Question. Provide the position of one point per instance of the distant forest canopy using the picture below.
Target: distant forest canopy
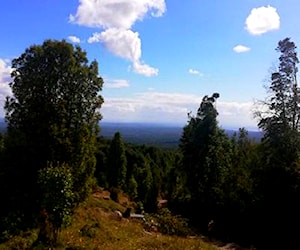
(160, 135)
(166, 136)
(53, 155)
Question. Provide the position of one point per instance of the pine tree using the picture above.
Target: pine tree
(206, 162)
(278, 183)
(117, 163)
(279, 118)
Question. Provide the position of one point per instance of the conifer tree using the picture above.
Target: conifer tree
(280, 117)
(117, 163)
(206, 161)
(278, 183)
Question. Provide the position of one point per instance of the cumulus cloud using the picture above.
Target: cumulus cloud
(117, 19)
(125, 44)
(116, 83)
(172, 108)
(241, 49)
(262, 20)
(144, 69)
(74, 39)
(195, 72)
(115, 14)
(5, 78)
(236, 114)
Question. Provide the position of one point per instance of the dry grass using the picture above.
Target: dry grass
(93, 228)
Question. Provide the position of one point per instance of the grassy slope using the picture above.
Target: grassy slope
(93, 228)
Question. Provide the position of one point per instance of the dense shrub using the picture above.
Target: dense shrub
(114, 194)
(171, 224)
(57, 200)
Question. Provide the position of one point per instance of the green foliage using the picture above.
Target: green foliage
(56, 184)
(283, 104)
(206, 154)
(216, 170)
(52, 117)
(171, 224)
(245, 162)
(117, 162)
(146, 193)
(214, 179)
(11, 224)
(281, 115)
(147, 169)
(101, 162)
(139, 207)
(277, 178)
(24, 240)
(132, 188)
(197, 135)
(90, 230)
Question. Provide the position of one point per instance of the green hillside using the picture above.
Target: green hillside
(94, 227)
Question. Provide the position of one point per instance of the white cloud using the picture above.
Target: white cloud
(5, 78)
(195, 72)
(125, 44)
(116, 83)
(115, 13)
(117, 17)
(74, 39)
(262, 20)
(241, 49)
(236, 114)
(156, 107)
(5, 71)
(144, 69)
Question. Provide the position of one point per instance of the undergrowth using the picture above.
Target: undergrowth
(92, 227)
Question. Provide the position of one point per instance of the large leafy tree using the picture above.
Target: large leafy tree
(53, 114)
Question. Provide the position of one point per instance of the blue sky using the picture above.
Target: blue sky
(159, 58)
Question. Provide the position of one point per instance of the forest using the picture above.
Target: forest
(52, 155)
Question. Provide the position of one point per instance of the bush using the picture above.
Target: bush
(57, 200)
(171, 224)
(139, 207)
(114, 194)
(89, 230)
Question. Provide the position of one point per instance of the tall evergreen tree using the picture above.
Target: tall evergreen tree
(281, 115)
(206, 160)
(279, 176)
(117, 162)
(144, 178)
(197, 135)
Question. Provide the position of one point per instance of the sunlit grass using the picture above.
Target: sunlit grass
(93, 228)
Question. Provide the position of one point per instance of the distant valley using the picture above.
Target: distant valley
(167, 136)
(161, 135)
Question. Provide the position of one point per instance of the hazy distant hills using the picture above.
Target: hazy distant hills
(162, 135)
(154, 134)
(143, 133)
